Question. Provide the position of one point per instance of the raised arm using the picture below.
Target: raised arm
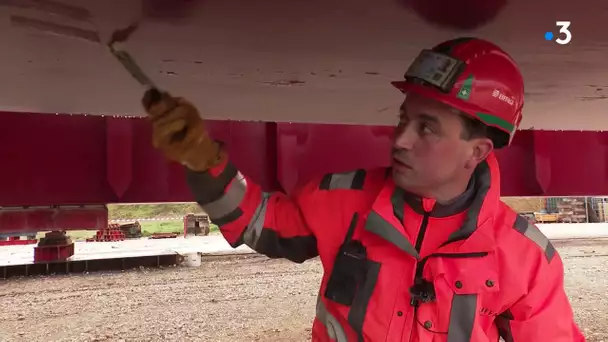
(270, 223)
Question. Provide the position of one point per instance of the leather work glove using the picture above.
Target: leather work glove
(179, 132)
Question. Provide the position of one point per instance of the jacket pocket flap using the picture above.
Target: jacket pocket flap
(467, 275)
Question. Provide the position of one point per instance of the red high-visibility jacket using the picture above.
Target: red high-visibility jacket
(401, 268)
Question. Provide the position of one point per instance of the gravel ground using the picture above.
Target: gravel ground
(235, 298)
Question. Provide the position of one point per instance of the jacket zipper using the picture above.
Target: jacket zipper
(418, 246)
(422, 232)
(420, 264)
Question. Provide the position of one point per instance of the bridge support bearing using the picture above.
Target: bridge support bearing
(54, 246)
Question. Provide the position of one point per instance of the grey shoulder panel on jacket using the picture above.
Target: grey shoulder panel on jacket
(531, 231)
(352, 180)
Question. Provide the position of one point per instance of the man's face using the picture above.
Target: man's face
(428, 149)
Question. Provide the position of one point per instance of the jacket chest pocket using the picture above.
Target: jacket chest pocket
(464, 288)
(352, 282)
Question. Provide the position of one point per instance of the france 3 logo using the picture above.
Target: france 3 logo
(564, 35)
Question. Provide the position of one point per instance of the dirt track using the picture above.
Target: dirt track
(250, 299)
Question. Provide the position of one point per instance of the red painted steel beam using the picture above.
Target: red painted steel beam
(64, 160)
(74, 159)
(39, 219)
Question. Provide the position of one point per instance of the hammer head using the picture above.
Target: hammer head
(123, 34)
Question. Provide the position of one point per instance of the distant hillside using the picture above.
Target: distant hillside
(133, 211)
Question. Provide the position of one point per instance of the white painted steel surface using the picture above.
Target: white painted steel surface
(300, 61)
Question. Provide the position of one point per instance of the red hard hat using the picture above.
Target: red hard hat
(472, 75)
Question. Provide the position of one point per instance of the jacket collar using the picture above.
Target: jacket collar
(481, 198)
(436, 209)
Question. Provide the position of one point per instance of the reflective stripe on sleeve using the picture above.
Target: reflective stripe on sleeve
(229, 202)
(254, 228)
(334, 329)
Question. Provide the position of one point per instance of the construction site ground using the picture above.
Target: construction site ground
(239, 297)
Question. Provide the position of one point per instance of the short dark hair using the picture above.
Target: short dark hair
(474, 129)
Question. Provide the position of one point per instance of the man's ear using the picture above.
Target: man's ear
(481, 148)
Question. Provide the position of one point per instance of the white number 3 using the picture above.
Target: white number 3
(563, 29)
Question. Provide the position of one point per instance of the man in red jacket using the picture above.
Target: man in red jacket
(422, 251)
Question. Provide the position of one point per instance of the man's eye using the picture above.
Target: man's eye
(426, 129)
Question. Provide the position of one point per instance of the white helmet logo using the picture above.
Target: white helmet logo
(502, 97)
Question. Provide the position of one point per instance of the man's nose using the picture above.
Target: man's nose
(405, 137)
